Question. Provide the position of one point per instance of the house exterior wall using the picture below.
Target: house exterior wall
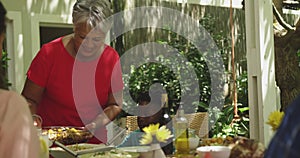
(25, 18)
(23, 36)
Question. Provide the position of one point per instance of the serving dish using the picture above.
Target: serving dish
(214, 151)
(82, 150)
(142, 151)
(67, 134)
(136, 149)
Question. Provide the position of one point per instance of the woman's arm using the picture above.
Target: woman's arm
(33, 94)
(114, 107)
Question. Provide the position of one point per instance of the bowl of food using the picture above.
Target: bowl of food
(214, 151)
(194, 142)
(67, 134)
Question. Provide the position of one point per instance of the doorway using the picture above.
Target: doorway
(49, 33)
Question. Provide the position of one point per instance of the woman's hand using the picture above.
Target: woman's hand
(91, 127)
(114, 107)
(103, 119)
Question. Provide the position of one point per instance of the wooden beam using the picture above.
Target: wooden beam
(262, 89)
(218, 3)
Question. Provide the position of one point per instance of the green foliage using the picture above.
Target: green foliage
(170, 71)
(226, 125)
(166, 74)
(298, 54)
(4, 83)
(242, 89)
(148, 74)
(222, 120)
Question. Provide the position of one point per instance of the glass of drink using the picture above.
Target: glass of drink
(37, 121)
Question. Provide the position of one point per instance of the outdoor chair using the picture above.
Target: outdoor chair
(197, 121)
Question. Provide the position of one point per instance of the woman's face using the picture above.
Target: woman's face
(88, 42)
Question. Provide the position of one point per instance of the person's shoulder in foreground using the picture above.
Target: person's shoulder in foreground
(18, 135)
(286, 142)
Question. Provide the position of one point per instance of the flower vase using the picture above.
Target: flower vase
(157, 152)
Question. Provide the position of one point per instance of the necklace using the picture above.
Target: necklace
(73, 45)
(70, 45)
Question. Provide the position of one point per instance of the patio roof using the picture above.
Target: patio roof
(218, 3)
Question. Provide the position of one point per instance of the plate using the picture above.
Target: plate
(67, 134)
(83, 150)
(135, 149)
(116, 153)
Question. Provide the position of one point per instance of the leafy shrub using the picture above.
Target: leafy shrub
(142, 77)
(4, 83)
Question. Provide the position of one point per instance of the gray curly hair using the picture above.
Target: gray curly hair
(93, 12)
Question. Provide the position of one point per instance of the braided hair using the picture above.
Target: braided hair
(2, 18)
(2, 31)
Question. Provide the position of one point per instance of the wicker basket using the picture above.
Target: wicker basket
(197, 121)
(131, 123)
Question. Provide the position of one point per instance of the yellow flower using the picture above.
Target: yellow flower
(163, 134)
(153, 132)
(152, 129)
(275, 119)
(146, 139)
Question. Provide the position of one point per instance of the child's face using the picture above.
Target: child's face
(152, 114)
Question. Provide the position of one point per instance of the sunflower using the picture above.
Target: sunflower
(275, 119)
(151, 129)
(146, 139)
(154, 133)
(163, 134)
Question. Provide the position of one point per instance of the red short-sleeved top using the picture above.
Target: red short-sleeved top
(75, 92)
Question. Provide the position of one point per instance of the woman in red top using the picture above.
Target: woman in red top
(76, 80)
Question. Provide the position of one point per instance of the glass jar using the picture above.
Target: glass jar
(45, 143)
